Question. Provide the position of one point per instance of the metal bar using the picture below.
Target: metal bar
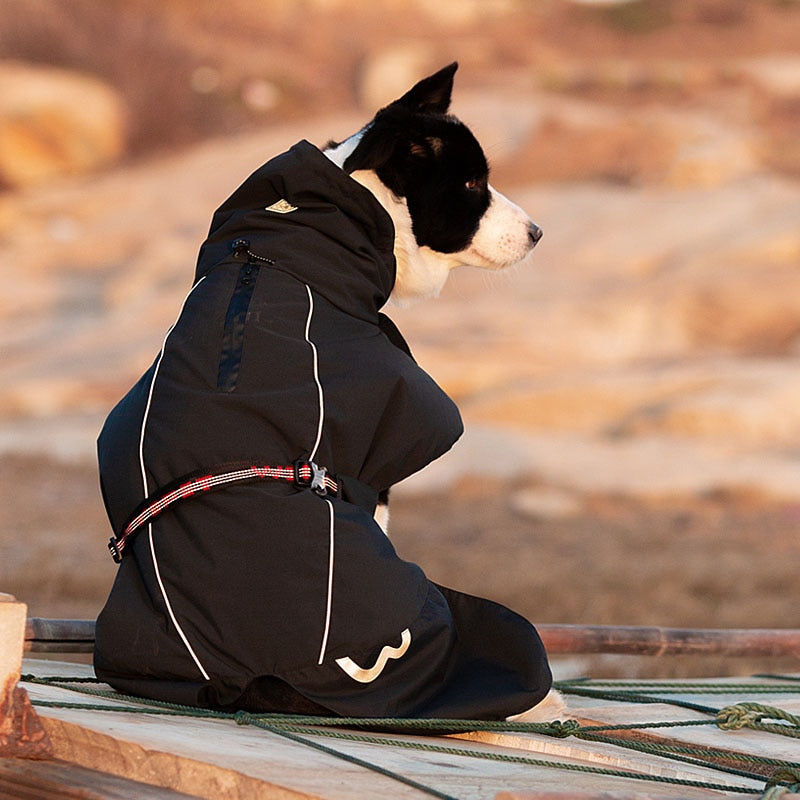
(59, 635)
(655, 641)
(77, 636)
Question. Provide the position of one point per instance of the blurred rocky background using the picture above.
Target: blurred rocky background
(631, 393)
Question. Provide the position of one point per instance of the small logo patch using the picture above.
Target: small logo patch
(281, 207)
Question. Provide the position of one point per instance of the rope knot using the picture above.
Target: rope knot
(752, 715)
(733, 718)
(561, 729)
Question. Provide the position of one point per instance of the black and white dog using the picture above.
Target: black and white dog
(242, 473)
(428, 171)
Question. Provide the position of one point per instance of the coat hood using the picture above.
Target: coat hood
(348, 237)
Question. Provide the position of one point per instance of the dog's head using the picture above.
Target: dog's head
(429, 172)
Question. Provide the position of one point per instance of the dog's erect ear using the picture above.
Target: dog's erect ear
(432, 94)
(388, 137)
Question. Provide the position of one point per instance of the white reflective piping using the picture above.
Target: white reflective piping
(147, 491)
(321, 398)
(169, 605)
(316, 375)
(330, 585)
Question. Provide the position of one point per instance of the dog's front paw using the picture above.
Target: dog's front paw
(553, 707)
(382, 517)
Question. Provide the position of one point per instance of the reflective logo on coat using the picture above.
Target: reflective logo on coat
(363, 675)
(281, 207)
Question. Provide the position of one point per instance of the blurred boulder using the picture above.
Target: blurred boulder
(545, 502)
(577, 140)
(467, 12)
(775, 74)
(55, 122)
(776, 103)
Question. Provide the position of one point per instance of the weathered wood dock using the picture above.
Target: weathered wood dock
(678, 740)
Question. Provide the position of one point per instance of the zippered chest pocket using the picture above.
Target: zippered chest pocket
(233, 335)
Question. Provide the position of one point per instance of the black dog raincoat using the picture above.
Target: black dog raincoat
(268, 593)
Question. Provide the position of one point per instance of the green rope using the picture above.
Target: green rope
(751, 715)
(169, 712)
(685, 687)
(63, 679)
(694, 687)
(556, 728)
(111, 694)
(704, 755)
(697, 756)
(634, 697)
(292, 731)
(155, 708)
(782, 783)
(775, 792)
(432, 747)
(744, 714)
(243, 718)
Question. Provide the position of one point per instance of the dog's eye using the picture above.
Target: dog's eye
(473, 186)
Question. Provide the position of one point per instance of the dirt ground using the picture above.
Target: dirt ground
(716, 561)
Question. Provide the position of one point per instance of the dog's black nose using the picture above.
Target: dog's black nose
(534, 233)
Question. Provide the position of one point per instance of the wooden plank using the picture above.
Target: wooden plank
(20, 731)
(120, 754)
(729, 744)
(608, 755)
(59, 780)
(77, 636)
(747, 741)
(50, 668)
(216, 758)
(279, 766)
(12, 629)
(714, 692)
(570, 795)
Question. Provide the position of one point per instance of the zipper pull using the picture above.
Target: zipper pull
(240, 247)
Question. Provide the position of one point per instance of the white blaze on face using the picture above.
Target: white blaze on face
(502, 238)
(421, 272)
